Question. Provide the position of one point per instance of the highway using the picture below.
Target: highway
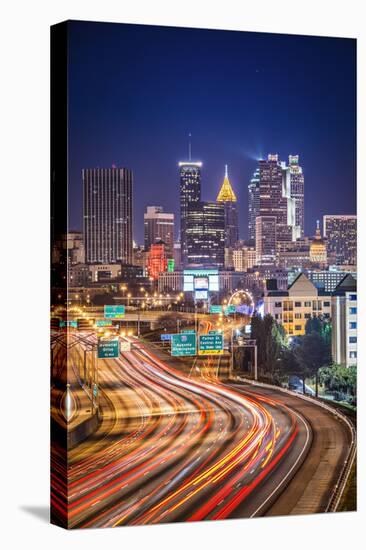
(177, 448)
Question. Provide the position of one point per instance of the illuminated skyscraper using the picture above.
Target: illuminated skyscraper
(265, 240)
(159, 226)
(275, 198)
(205, 235)
(107, 202)
(297, 190)
(253, 204)
(190, 194)
(341, 234)
(227, 197)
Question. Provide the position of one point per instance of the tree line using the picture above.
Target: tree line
(308, 356)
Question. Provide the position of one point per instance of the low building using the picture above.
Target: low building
(294, 254)
(78, 275)
(170, 281)
(75, 247)
(244, 258)
(140, 256)
(294, 306)
(344, 322)
(132, 272)
(229, 258)
(327, 279)
(104, 272)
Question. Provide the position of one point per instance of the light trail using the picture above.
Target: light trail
(170, 447)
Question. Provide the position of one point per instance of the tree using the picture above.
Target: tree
(312, 353)
(313, 324)
(288, 363)
(339, 379)
(321, 326)
(270, 338)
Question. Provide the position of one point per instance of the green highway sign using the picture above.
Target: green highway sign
(103, 323)
(183, 344)
(188, 331)
(108, 348)
(211, 344)
(230, 309)
(215, 309)
(114, 312)
(214, 332)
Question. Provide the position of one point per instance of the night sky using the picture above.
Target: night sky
(136, 92)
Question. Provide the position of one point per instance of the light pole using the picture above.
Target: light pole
(255, 363)
(138, 323)
(195, 316)
(232, 352)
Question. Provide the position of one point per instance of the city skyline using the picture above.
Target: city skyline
(179, 366)
(319, 127)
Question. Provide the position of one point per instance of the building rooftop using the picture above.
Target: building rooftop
(226, 193)
(347, 284)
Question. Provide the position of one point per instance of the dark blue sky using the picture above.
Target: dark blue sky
(135, 92)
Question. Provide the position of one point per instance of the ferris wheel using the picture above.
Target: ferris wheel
(243, 302)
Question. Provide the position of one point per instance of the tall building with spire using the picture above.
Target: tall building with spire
(228, 198)
(190, 194)
(253, 204)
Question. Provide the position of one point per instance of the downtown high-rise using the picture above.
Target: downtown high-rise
(275, 202)
(340, 232)
(159, 226)
(253, 204)
(190, 195)
(107, 215)
(297, 190)
(228, 199)
(205, 235)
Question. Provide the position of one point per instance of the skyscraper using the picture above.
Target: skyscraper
(297, 190)
(275, 198)
(159, 226)
(205, 235)
(107, 202)
(265, 240)
(253, 204)
(341, 234)
(227, 197)
(190, 194)
(272, 201)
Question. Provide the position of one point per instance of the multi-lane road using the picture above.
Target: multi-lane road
(176, 448)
